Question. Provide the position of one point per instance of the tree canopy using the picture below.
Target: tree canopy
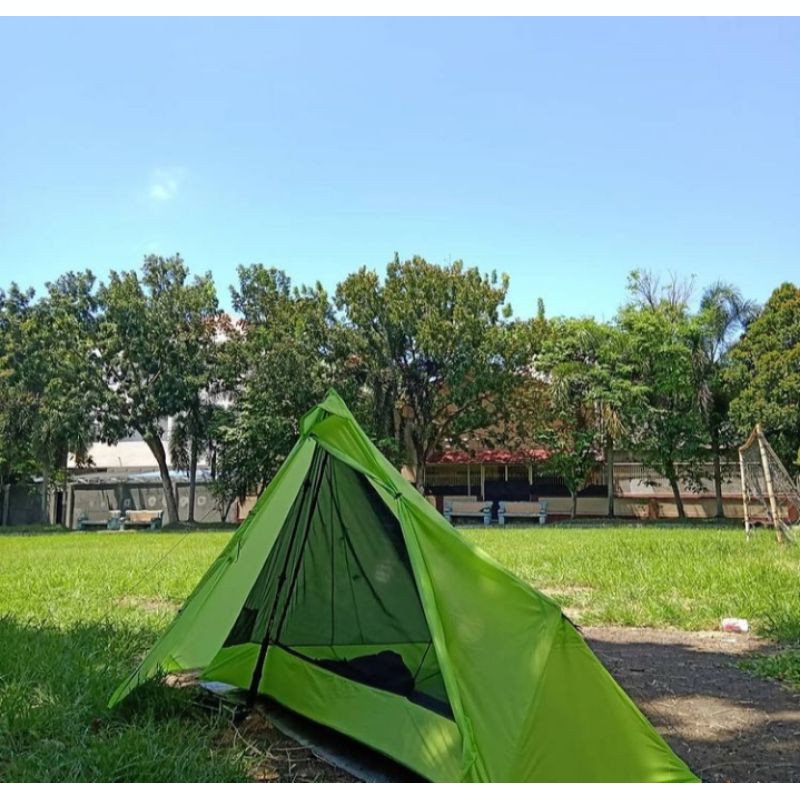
(428, 356)
(764, 374)
(433, 348)
(154, 336)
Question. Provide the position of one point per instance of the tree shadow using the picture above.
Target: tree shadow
(54, 689)
(726, 723)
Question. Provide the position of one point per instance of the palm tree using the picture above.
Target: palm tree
(724, 315)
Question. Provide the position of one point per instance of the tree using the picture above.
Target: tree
(665, 425)
(281, 369)
(764, 373)
(724, 314)
(192, 437)
(155, 334)
(436, 357)
(584, 394)
(571, 437)
(16, 457)
(52, 377)
(646, 289)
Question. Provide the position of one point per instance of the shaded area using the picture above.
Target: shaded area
(726, 723)
(55, 726)
(274, 756)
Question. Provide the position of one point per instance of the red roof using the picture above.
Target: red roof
(489, 456)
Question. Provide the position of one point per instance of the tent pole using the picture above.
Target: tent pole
(262, 653)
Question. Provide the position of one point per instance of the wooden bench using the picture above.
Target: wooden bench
(465, 508)
(520, 510)
(109, 520)
(142, 519)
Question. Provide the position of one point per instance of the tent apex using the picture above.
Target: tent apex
(331, 404)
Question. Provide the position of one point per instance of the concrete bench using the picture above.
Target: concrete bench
(108, 520)
(465, 508)
(520, 510)
(143, 519)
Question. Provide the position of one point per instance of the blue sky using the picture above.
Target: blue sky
(563, 152)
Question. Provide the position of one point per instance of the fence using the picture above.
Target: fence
(91, 499)
(22, 503)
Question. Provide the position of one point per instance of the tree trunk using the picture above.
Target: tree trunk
(574, 509)
(157, 449)
(419, 470)
(46, 496)
(676, 491)
(415, 454)
(192, 477)
(717, 474)
(610, 474)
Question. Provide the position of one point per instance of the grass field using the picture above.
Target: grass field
(78, 610)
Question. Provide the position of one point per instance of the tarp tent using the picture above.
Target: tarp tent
(347, 598)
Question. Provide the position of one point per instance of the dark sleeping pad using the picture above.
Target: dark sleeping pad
(385, 670)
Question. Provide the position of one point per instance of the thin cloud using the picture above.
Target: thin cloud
(164, 185)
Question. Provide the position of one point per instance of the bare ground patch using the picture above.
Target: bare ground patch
(727, 724)
(275, 757)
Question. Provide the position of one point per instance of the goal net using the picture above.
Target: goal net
(769, 495)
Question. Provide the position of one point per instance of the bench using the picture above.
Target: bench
(465, 508)
(142, 519)
(520, 510)
(109, 520)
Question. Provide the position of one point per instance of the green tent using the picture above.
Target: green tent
(347, 598)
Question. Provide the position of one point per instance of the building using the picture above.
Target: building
(639, 492)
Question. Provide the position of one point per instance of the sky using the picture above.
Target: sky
(564, 152)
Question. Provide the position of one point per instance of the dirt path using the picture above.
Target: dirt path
(727, 724)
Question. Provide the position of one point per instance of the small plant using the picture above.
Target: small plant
(784, 666)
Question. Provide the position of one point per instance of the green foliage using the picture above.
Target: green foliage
(764, 373)
(155, 339)
(574, 430)
(430, 349)
(665, 425)
(17, 461)
(281, 353)
(724, 314)
(50, 380)
(426, 356)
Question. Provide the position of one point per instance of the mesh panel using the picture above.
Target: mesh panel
(339, 576)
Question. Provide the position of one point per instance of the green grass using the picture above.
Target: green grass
(783, 666)
(77, 611)
(659, 577)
